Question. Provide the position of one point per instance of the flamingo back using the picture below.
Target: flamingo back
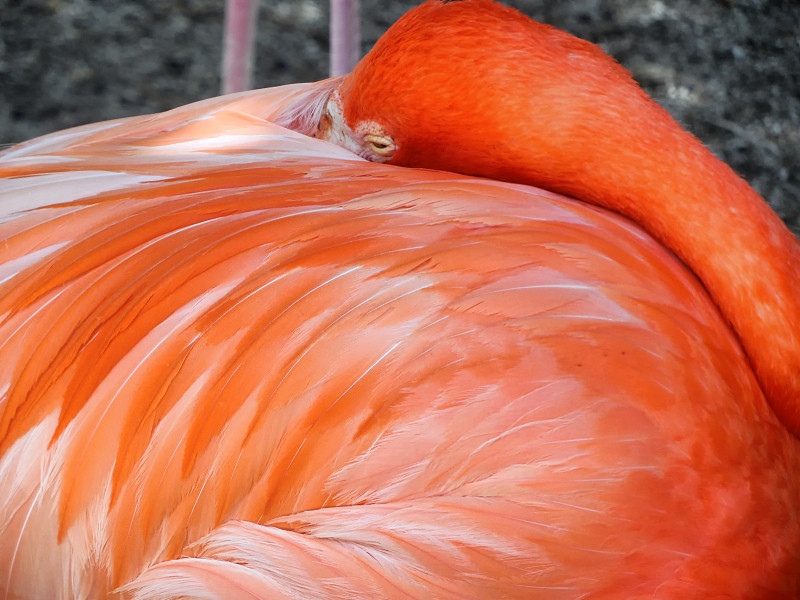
(239, 362)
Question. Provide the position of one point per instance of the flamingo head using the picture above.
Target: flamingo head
(475, 87)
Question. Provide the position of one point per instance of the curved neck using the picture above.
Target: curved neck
(667, 181)
(617, 148)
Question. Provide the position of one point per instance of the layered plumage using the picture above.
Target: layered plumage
(238, 362)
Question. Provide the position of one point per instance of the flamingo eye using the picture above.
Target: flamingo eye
(381, 145)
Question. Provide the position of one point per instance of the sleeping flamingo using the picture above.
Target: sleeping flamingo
(240, 362)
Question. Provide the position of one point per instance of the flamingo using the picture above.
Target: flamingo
(241, 362)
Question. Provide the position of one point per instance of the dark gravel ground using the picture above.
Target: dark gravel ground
(729, 70)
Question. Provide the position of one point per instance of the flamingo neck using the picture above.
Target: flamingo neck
(667, 181)
(618, 149)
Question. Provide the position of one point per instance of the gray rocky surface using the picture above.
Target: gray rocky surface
(729, 70)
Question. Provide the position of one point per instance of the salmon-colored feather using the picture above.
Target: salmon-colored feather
(239, 362)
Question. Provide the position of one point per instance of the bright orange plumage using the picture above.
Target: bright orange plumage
(240, 363)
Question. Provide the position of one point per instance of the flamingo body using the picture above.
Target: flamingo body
(239, 362)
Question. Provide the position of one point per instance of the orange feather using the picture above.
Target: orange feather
(238, 362)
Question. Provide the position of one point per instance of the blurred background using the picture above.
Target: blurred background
(729, 70)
